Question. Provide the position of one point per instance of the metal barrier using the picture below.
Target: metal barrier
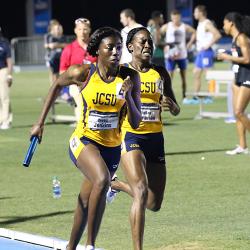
(30, 50)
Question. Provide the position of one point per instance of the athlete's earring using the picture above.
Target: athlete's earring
(130, 48)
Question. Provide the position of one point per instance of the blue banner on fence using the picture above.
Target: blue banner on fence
(42, 15)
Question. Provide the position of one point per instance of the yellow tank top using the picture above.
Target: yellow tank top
(102, 110)
(151, 93)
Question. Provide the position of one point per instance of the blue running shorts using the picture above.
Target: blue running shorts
(151, 144)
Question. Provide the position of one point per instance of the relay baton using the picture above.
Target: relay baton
(31, 150)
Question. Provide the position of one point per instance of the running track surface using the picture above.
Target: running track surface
(8, 244)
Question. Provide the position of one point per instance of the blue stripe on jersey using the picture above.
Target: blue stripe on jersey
(85, 108)
(91, 72)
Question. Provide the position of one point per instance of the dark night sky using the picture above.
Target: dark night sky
(102, 12)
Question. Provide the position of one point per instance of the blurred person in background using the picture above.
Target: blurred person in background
(76, 53)
(55, 41)
(206, 36)
(176, 49)
(238, 27)
(127, 18)
(5, 82)
(154, 27)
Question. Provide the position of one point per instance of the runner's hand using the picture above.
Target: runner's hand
(127, 86)
(37, 130)
(169, 105)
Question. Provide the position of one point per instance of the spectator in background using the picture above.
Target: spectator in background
(55, 41)
(154, 27)
(127, 18)
(76, 53)
(238, 27)
(5, 82)
(206, 36)
(176, 48)
(46, 38)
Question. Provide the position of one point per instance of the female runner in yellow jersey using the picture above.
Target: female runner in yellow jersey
(143, 158)
(107, 89)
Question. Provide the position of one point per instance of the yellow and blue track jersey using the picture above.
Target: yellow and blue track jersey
(102, 110)
(151, 94)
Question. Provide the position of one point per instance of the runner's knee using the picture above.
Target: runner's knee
(154, 206)
(140, 191)
(239, 113)
(102, 183)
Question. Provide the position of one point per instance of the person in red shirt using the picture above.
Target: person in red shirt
(76, 53)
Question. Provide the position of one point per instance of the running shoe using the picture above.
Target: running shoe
(185, 100)
(230, 120)
(207, 100)
(89, 247)
(238, 150)
(5, 126)
(111, 194)
(190, 101)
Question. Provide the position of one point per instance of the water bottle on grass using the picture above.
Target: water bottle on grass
(57, 192)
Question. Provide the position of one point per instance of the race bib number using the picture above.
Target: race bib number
(102, 120)
(205, 61)
(74, 143)
(235, 68)
(235, 53)
(119, 91)
(159, 86)
(150, 112)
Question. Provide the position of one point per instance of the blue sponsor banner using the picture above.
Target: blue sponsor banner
(186, 9)
(42, 15)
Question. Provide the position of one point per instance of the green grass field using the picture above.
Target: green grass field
(206, 203)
